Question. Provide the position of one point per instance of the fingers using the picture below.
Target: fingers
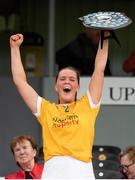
(106, 33)
(16, 37)
(16, 40)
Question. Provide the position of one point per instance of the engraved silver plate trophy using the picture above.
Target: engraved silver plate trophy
(106, 21)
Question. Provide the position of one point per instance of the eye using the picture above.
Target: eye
(62, 79)
(25, 147)
(72, 79)
(16, 150)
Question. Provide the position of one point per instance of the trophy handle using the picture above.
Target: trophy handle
(112, 35)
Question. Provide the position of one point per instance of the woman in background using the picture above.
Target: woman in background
(24, 150)
(127, 161)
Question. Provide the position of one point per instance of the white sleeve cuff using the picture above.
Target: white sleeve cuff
(39, 99)
(91, 102)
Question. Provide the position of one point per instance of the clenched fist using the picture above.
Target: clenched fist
(16, 40)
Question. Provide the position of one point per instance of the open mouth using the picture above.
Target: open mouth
(67, 89)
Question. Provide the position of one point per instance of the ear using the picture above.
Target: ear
(35, 152)
(78, 87)
(55, 87)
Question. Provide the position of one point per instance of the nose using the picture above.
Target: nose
(21, 150)
(67, 80)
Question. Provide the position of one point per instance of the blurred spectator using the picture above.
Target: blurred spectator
(80, 53)
(129, 64)
(24, 150)
(127, 161)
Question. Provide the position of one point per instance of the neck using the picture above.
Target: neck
(27, 166)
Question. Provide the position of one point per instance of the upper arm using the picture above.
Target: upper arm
(28, 94)
(97, 80)
(96, 86)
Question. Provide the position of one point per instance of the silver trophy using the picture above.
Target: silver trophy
(106, 21)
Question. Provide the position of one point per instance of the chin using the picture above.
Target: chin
(69, 100)
(24, 161)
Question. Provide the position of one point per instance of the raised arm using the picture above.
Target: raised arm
(28, 94)
(97, 79)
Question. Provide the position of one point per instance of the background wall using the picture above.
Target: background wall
(33, 16)
(15, 119)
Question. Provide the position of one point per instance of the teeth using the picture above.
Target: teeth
(67, 87)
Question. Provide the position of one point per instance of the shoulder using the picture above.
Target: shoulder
(11, 176)
(37, 171)
(17, 175)
(39, 166)
(86, 99)
(45, 101)
(42, 102)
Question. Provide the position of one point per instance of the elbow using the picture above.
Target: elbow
(100, 70)
(17, 80)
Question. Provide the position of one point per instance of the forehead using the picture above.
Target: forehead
(22, 143)
(67, 72)
(125, 159)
